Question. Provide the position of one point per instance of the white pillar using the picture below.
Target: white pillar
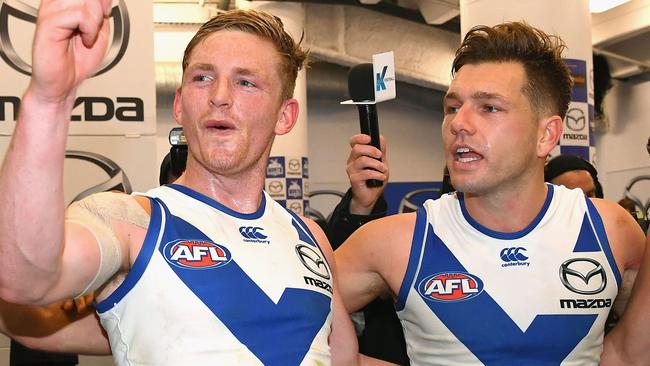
(287, 176)
(571, 20)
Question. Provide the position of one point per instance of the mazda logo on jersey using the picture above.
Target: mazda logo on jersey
(313, 260)
(450, 286)
(196, 254)
(20, 10)
(583, 276)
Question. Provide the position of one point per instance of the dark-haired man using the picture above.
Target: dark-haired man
(508, 270)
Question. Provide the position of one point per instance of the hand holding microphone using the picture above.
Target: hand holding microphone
(361, 88)
(368, 84)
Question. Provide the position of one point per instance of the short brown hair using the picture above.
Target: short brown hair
(549, 81)
(264, 25)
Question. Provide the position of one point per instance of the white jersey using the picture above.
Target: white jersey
(211, 286)
(473, 296)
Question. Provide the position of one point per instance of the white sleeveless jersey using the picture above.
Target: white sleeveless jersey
(211, 286)
(473, 296)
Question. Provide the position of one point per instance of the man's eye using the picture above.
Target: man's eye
(490, 108)
(451, 110)
(201, 78)
(246, 83)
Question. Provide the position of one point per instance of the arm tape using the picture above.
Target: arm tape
(95, 213)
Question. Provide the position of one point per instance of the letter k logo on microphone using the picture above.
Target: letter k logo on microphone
(380, 79)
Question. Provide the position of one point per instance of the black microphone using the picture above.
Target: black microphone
(361, 88)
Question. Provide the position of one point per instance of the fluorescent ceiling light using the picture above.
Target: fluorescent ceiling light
(599, 6)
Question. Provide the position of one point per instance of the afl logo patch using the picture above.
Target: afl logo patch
(450, 286)
(196, 254)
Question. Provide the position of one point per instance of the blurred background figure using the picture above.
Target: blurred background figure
(573, 171)
(173, 164)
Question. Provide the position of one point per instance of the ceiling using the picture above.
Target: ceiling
(621, 34)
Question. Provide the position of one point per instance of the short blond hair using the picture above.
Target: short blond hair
(264, 25)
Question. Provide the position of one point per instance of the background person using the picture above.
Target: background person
(573, 171)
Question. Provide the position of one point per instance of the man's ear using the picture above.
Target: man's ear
(178, 106)
(550, 131)
(288, 116)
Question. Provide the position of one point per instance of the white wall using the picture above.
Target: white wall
(621, 152)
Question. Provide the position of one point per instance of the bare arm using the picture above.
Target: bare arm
(54, 328)
(629, 342)
(372, 262)
(628, 244)
(70, 40)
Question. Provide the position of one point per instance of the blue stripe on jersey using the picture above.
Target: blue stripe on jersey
(278, 334)
(599, 228)
(587, 241)
(487, 330)
(414, 257)
(212, 203)
(507, 236)
(304, 233)
(148, 247)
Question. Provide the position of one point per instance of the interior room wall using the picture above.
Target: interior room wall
(621, 151)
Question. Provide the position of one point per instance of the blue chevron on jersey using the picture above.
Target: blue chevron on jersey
(487, 330)
(475, 296)
(257, 318)
(207, 296)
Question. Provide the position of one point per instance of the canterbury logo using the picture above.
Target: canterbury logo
(513, 254)
(252, 232)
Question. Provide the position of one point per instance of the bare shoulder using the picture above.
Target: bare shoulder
(623, 232)
(387, 230)
(383, 240)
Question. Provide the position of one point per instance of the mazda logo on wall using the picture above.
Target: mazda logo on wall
(583, 276)
(19, 9)
(117, 179)
(575, 119)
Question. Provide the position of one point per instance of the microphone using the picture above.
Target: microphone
(361, 88)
